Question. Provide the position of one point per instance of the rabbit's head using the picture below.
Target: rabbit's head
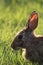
(24, 38)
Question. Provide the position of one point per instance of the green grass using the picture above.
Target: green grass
(13, 16)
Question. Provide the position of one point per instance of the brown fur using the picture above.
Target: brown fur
(26, 39)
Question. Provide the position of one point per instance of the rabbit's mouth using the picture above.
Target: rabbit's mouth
(17, 48)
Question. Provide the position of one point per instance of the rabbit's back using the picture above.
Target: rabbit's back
(35, 51)
(40, 48)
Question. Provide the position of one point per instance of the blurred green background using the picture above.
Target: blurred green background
(13, 16)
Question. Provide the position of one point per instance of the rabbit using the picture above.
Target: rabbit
(26, 39)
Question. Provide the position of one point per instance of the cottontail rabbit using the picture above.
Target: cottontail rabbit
(26, 39)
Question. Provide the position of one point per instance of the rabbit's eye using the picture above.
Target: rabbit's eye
(20, 37)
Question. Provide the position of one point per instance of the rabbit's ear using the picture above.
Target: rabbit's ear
(33, 21)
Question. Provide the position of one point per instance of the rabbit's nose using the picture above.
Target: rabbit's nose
(12, 46)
